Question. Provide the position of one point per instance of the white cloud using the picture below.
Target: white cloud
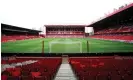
(36, 13)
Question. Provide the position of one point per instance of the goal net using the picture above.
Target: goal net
(65, 47)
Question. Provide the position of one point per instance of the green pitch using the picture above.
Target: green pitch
(65, 45)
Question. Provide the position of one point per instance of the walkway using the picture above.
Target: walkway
(65, 71)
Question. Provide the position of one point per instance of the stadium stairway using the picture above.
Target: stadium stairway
(65, 71)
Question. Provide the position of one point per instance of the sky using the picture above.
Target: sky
(37, 13)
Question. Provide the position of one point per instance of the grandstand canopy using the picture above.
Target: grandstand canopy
(64, 26)
(6, 27)
(120, 17)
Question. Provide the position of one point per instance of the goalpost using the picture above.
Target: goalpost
(42, 48)
(87, 44)
(65, 47)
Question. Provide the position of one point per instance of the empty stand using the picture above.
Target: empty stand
(103, 68)
(65, 36)
(43, 69)
(69, 31)
(6, 38)
(114, 37)
(117, 29)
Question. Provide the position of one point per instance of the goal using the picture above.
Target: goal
(65, 47)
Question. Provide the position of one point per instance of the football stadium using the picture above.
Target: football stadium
(74, 41)
(70, 45)
(101, 50)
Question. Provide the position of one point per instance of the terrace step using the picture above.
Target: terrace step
(65, 71)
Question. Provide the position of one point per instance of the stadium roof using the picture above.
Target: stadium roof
(15, 28)
(65, 25)
(121, 14)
